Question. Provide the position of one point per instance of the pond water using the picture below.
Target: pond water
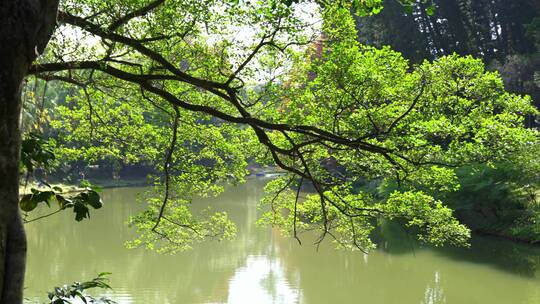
(260, 266)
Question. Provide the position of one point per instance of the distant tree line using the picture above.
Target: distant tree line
(505, 34)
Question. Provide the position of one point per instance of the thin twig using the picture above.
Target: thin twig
(43, 216)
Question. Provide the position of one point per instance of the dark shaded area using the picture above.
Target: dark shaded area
(502, 254)
(490, 29)
(513, 257)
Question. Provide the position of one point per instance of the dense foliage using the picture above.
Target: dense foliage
(274, 82)
(504, 34)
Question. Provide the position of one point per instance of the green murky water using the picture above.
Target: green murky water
(260, 266)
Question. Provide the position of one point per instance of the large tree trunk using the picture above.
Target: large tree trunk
(25, 28)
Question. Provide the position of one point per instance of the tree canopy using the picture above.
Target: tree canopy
(201, 88)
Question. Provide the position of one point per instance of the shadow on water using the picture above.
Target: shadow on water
(394, 239)
(517, 258)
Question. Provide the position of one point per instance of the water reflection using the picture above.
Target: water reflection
(516, 258)
(260, 266)
(262, 281)
(434, 293)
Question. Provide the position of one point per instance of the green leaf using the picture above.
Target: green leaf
(44, 196)
(408, 8)
(94, 200)
(63, 202)
(27, 203)
(85, 184)
(430, 10)
(81, 211)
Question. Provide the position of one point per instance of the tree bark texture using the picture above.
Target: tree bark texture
(25, 28)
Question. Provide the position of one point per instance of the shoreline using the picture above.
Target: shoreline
(128, 183)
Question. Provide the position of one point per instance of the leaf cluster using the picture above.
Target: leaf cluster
(76, 291)
(80, 202)
(36, 152)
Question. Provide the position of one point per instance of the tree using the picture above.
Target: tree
(26, 27)
(502, 33)
(345, 114)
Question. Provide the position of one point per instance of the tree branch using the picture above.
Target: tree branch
(168, 160)
(134, 14)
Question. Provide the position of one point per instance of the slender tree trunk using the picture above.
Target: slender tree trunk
(25, 28)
